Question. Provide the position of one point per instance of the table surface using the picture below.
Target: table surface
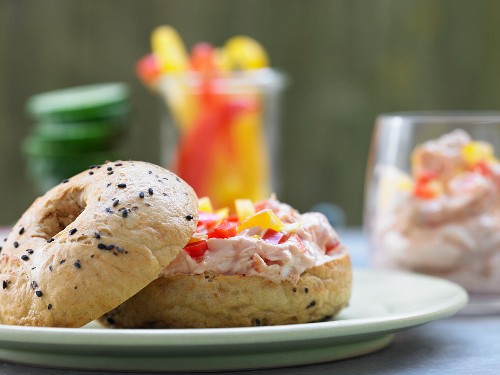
(455, 345)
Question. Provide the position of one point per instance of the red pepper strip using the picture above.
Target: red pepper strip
(273, 237)
(225, 229)
(196, 249)
(147, 69)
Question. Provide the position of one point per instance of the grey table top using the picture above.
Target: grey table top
(456, 345)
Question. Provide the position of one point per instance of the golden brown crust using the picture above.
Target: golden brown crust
(202, 301)
(73, 280)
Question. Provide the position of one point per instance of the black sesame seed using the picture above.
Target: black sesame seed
(118, 164)
(115, 254)
(65, 180)
(141, 194)
(51, 269)
(119, 249)
(39, 293)
(294, 290)
(110, 173)
(92, 166)
(189, 217)
(101, 246)
(108, 210)
(30, 251)
(178, 179)
(110, 247)
(110, 320)
(76, 287)
(98, 166)
(108, 184)
(4, 284)
(313, 303)
(91, 173)
(0, 248)
(50, 240)
(147, 204)
(72, 231)
(16, 244)
(5, 239)
(122, 185)
(150, 172)
(92, 256)
(62, 261)
(115, 203)
(150, 191)
(306, 290)
(49, 306)
(77, 264)
(21, 231)
(34, 284)
(124, 214)
(97, 235)
(25, 257)
(109, 168)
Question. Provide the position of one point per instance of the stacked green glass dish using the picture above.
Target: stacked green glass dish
(74, 128)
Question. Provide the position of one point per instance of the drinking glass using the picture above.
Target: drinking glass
(432, 199)
(222, 134)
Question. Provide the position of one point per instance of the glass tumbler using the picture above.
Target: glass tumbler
(432, 199)
(221, 134)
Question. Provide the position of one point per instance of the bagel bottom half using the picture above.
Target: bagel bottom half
(213, 301)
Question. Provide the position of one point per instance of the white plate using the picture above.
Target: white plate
(383, 303)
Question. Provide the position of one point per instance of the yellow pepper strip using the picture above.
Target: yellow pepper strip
(244, 53)
(476, 151)
(205, 205)
(244, 209)
(169, 49)
(265, 219)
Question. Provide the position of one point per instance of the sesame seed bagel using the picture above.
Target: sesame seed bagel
(214, 300)
(92, 242)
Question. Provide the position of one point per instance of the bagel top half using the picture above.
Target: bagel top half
(92, 242)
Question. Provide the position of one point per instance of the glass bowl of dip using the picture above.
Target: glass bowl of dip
(432, 199)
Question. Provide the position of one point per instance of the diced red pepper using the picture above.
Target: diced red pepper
(483, 168)
(424, 191)
(225, 229)
(196, 249)
(273, 237)
(207, 218)
(425, 177)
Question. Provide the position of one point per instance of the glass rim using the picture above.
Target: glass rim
(442, 115)
(268, 78)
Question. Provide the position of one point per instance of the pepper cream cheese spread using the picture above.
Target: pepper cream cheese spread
(445, 218)
(249, 246)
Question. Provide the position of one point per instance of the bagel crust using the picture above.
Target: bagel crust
(92, 242)
(208, 300)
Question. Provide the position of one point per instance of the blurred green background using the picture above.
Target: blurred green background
(348, 61)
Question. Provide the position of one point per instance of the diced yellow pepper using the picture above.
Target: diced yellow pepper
(244, 208)
(205, 205)
(265, 219)
(222, 213)
(476, 151)
(292, 227)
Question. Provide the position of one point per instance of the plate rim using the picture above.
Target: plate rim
(334, 329)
